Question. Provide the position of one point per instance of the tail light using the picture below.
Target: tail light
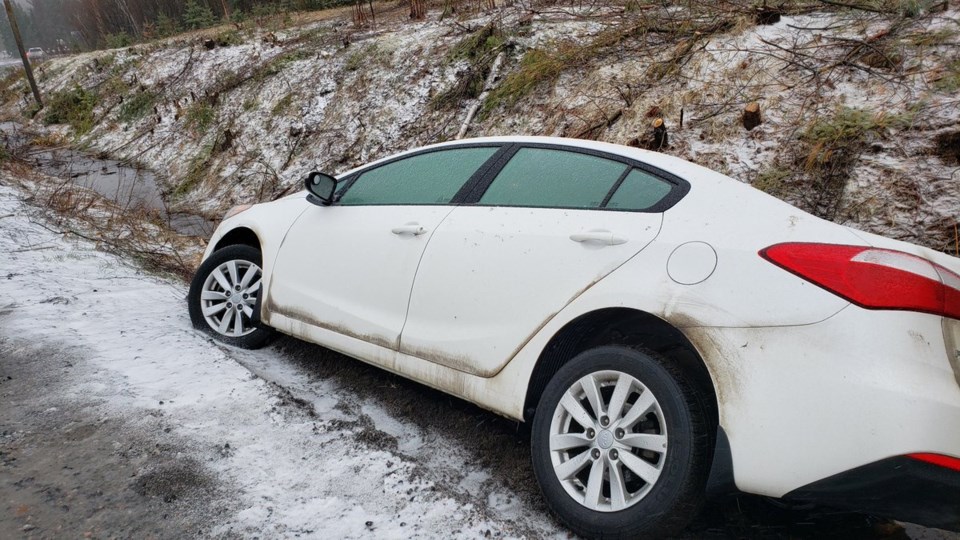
(872, 278)
(938, 460)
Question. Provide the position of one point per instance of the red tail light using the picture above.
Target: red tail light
(938, 460)
(872, 278)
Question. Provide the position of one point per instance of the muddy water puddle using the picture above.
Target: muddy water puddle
(132, 188)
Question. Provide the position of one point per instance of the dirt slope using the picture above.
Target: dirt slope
(859, 109)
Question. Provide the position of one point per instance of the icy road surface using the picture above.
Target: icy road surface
(113, 346)
(117, 419)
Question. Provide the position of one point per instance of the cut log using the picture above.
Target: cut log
(659, 138)
(418, 9)
(226, 142)
(751, 116)
(948, 146)
(767, 15)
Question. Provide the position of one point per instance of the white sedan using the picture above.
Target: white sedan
(670, 332)
(35, 54)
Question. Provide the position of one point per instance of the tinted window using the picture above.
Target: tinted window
(431, 178)
(541, 177)
(640, 190)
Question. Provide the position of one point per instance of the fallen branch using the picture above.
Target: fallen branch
(860, 7)
(487, 87)
(594, 131)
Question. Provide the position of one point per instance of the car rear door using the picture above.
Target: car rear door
(549, 224)
(349, 267)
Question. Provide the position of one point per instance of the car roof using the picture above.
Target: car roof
(682, 168)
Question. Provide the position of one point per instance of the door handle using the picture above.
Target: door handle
(414, 229)
(598, 237)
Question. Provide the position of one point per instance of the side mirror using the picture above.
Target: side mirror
(320, 187)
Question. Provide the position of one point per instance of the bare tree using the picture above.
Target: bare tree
(125, 9)
(359, 17)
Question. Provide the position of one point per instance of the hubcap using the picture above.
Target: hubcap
(605, 440)
(616, 468)
(228, 297)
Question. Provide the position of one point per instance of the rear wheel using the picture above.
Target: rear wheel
(620, 444)
(223, 296)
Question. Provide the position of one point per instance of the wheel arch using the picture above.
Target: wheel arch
(239, 235)
(634, 327)
(612, 326)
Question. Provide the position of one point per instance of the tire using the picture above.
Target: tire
(242, 258)
(672, 438)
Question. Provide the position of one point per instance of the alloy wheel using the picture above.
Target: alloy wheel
(228, 297)
(608, 441)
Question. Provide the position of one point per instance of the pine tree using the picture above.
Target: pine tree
(197, 15)
(166, 26)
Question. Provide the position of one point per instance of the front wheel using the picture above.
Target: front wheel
(620, 445)
(223, 295)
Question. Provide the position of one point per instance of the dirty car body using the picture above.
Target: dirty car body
(821, 363)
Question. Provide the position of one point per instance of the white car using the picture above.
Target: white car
(670, 332)
(35, 54)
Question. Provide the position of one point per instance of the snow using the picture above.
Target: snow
(349, 104)
(288, 473)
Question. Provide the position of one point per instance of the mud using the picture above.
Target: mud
(308, 318)
(69, 471)
(174, 480)
(490, 440)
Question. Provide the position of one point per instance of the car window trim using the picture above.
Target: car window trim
(616, 186)
(457, 197)
(496, 161)
(680, 186)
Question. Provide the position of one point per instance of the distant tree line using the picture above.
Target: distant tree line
(84, 24)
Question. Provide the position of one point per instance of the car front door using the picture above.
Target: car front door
(550, 224)
(349, 267)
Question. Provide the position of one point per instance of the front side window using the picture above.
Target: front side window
(430, 178)
(555, 178)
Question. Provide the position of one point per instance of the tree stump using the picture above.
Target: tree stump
(658, 138)
(751, 116)
(767, 15)
(418, 9)
(226, 142)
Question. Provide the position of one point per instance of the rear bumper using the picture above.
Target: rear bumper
(900, 488)
(804, 404)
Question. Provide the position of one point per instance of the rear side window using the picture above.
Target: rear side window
(557, 178)
(431, 178)
(640, 190)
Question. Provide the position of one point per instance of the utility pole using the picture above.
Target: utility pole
(23, 53)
